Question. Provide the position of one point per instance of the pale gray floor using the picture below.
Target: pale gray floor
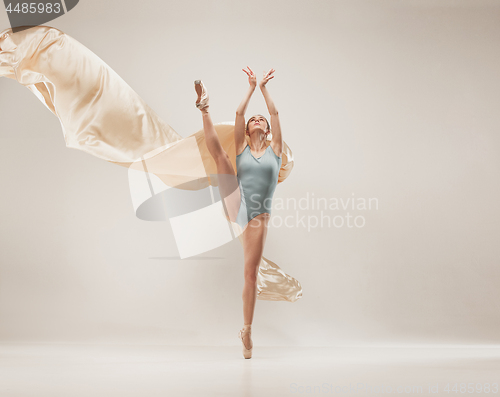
(107, 370)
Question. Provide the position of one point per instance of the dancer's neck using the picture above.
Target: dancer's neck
(257, 142)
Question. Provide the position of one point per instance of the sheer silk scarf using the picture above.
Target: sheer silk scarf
(101, 115)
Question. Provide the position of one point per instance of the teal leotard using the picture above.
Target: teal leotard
(257, 179)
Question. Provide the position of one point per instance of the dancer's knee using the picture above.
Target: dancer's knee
(251, 276)
(222, 157)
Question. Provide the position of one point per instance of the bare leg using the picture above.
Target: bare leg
(228, 185)
(254, 238)
(256, 230)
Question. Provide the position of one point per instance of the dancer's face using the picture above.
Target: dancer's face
(257, 122)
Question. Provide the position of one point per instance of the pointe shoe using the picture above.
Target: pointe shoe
(202, 101)
(247, 329)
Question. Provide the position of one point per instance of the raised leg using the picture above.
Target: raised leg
(228, 182)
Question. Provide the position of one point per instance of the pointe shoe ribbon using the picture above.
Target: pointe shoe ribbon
(247, 329)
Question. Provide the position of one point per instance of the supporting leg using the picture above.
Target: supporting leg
(254, 238)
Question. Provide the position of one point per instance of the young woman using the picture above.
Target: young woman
(247, 195)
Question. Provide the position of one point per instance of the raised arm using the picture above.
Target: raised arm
(277, 140)
(239, 123)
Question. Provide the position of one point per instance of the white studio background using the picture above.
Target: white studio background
(387, 99)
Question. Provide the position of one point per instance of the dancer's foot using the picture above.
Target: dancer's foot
(246, 340)
(202, 101)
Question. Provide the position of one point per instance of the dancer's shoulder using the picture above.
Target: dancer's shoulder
(242, 149)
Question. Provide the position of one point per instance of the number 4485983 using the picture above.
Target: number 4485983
(34, 8)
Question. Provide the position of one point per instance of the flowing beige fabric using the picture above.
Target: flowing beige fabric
(101, 115)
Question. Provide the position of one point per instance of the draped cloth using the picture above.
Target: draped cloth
(101, 115)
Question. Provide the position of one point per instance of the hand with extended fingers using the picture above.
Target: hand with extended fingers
(267, 76)
(252, 79)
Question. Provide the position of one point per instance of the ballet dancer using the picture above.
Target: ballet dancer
(247, 195)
